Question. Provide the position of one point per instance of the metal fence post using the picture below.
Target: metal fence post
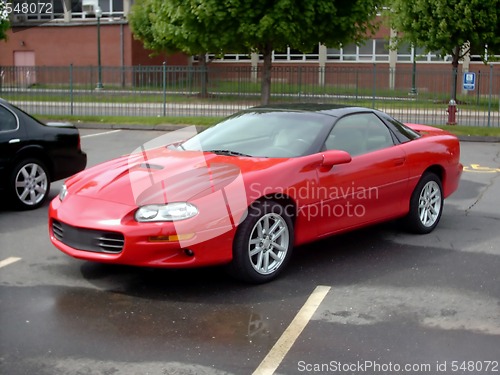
(91, 69)
(374, 84)
(300, 83)
(478, 91)
(164, 77)
(71, 88)
(357, 84)
(490, 96)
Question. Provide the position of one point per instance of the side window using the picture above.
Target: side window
(7, 120)
(378, 134)
(358, 134)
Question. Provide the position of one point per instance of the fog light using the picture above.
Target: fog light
(189, 252)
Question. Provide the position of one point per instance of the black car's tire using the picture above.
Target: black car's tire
(29, 184)
(263, 243)
(426, 205)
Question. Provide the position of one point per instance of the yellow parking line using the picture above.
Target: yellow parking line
(273, 359)
(479, 169)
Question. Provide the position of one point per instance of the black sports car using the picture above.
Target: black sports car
(33, 154)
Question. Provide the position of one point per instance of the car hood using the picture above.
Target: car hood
(163, 175)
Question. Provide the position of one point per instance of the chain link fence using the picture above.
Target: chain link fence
(411, 94)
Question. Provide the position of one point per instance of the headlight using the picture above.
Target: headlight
(166, 212)
(63, 193)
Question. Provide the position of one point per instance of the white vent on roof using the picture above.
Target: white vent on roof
(89, 6)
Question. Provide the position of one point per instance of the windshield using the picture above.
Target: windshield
(264, 134)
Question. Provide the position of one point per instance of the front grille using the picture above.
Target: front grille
(111, 243)
(88, 239)
(58, 230)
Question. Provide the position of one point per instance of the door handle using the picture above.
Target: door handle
(399, 161)
(15, 140)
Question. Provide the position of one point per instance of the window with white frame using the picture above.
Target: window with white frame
(406, 53)
(54, 9)
(109, 8)
(36, 11)
(370, 50)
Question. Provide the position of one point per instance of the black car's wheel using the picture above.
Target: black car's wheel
(30, 184)
(426, 204)
(263, 243)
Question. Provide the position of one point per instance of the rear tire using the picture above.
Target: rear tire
(426, 205)
(29, 184)
(263, 243)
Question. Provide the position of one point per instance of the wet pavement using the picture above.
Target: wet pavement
(422, 304)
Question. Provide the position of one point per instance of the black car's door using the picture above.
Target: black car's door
(11, 138)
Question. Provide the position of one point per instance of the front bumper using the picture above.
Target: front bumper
(97, 235)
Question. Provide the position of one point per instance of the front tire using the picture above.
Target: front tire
(426, 204)
(263, 243)
(30, 184)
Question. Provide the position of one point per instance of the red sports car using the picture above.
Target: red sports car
(246, 191)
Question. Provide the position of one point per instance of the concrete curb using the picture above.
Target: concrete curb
(172, 127)
(474, 138)
(159, 127)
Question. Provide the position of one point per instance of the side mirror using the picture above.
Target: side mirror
(335, 157)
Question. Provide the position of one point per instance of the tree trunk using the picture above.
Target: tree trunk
(202, 58)
(454, 63)
(266, 74)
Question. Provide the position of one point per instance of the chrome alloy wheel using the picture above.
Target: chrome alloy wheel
(31, 184)
(269, 243)
(429, 204)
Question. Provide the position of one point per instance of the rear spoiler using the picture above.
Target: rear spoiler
(426, 129)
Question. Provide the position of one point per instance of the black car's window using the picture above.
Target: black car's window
(358, 134)
(8, 120)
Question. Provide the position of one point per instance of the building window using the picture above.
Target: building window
(41, 11)
(295, 55)
(371, 50)
(349, 52)
(333, 53)
(365, 51)
(381, 50)
(110, 8)
(54, 9)
(405, 52)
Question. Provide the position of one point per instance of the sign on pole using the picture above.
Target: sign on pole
(469, 81)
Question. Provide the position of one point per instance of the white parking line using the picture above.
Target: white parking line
(103, 133)
(273, 359)
(8, 261)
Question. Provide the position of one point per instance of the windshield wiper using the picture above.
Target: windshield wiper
(175, 146)
(229, 152)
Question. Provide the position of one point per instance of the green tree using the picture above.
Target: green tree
(275, 25)
(195, 27)
(261, 26)
(452, 27)
(4, 21)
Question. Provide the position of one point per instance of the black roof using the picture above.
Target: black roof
(334, 110)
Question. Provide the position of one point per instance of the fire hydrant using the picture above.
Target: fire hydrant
(452, 112)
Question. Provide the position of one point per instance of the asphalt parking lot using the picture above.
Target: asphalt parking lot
(374, 301)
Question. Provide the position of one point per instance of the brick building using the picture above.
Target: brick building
(68, 35)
